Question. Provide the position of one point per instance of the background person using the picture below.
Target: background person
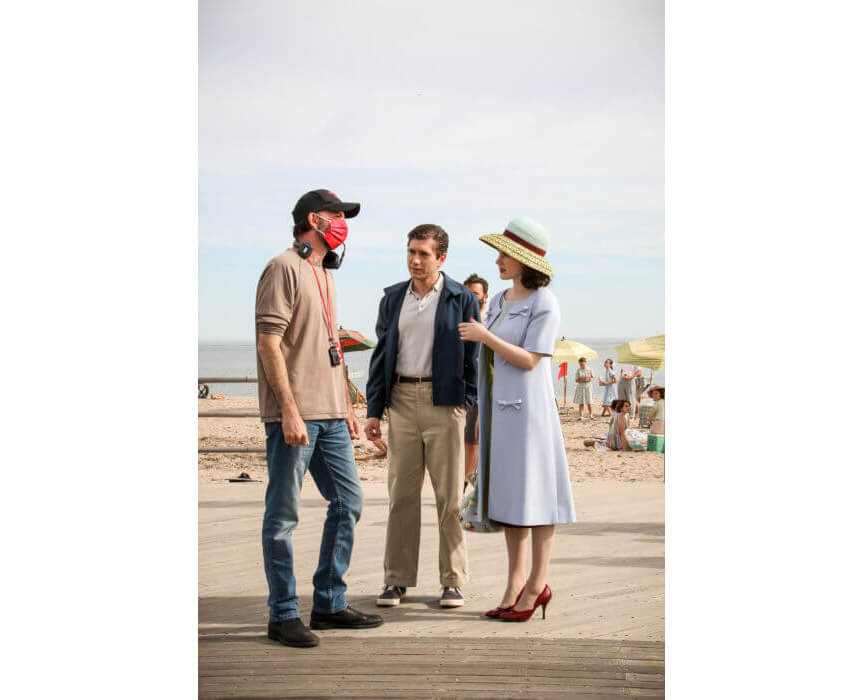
(524, 480)
(616, 438)
(582, 395)
(308, 419)
(641, 385)
(627, 386)
(657, 417)
(420, 371)
(608, 381)
(480, 288)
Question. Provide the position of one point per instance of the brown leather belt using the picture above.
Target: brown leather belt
(413, 380)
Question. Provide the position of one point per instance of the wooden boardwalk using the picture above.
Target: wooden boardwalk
(603, 636)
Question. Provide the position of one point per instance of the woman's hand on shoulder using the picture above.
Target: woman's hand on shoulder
(473, 331)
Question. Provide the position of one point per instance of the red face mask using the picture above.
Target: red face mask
(336, 233)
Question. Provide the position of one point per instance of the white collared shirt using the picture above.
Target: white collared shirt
(417, 331)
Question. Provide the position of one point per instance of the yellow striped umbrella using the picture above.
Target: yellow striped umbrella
(570, 351)
(646, 352)
(654, 342)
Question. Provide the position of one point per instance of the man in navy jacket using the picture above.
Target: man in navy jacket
(427, 377)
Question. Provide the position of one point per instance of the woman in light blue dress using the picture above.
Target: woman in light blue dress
(608, 380)
(523, 478)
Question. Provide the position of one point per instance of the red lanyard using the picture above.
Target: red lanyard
(327, 306)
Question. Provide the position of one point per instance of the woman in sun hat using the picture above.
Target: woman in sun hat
(523, 476)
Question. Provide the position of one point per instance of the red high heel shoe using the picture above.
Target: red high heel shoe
(497, 611)
(523, 615)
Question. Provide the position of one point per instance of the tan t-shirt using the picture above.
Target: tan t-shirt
(289, 304)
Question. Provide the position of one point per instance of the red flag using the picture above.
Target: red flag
(563, 371)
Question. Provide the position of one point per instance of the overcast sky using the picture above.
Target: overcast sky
(464, 114)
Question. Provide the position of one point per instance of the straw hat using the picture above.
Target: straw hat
(524, 240)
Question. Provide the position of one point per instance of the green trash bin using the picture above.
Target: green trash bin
(657, 443)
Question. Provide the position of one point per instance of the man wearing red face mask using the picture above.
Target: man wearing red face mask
(308, 418)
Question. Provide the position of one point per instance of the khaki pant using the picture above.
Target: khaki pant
(422, 435)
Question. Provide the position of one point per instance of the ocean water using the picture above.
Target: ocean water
(238, 360)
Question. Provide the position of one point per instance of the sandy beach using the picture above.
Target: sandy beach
(586, 464)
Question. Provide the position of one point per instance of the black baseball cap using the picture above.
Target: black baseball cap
(322, 200)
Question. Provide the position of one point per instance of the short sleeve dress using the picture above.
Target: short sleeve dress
(610, 391)
(523, 476)
(583, 394)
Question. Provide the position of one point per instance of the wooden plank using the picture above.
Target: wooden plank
(345, 642)
(584, 656)
(330, 646)
(493, 671)
(585, 662)
(457, 693)
(336, 644)
(423, 688)
(422, 679)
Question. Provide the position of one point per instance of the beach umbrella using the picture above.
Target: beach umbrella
(354, 341)
(654, 342)
(645, 352)
(649, 349)
(569, 351)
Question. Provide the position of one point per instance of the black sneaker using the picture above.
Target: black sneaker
(451, 597)
(291, 633)
(349, 618)
(392, 595)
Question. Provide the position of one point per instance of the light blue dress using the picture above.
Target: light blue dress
(610, 392)
(523, 476)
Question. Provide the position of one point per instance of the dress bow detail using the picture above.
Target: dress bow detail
(524, 311)
(517, 404)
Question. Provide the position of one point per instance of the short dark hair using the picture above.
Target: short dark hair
(660, 389)
(614, 404)
(534, 279)
(474, 278)
(582, 359)
(425, 231)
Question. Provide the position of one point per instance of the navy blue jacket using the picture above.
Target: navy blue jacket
(454, 362)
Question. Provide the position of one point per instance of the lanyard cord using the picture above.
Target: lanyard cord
(326, 306)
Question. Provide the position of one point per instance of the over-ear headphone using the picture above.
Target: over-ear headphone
(304, 250)
(331, 261)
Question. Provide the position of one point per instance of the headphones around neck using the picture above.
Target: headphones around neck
(331, 261)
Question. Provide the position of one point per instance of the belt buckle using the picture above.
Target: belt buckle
(419, 380)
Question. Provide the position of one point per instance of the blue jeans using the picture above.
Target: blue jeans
(330, 458)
